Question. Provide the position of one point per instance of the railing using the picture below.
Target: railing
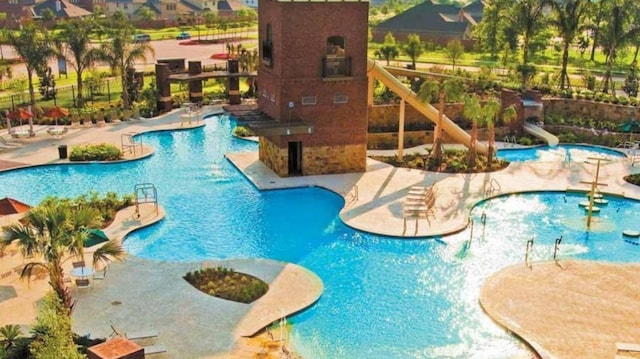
(494, 186)
(333, 66)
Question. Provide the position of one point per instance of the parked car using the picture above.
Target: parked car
(183, 36)
(141, 37)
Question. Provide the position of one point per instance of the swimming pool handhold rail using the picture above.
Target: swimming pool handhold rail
(528, 250)
(555, 249)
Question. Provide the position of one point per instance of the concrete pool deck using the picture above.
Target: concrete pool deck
(373, 203)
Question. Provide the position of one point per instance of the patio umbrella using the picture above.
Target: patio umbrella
(12, 206)
(630, 126)
(96, 236)
(20, 114)
(56, 112)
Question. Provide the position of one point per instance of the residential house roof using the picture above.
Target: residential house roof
(61, 8)
(429, 17)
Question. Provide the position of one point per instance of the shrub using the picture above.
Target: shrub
(100, 152)
(227, 284)
(567, 137)
(633, 179)
(525, 141)
(242, 131)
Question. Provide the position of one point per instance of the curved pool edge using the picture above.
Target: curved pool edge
(294, 288)
(127, 221)
(582, 323)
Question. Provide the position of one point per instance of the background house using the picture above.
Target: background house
(433, 22)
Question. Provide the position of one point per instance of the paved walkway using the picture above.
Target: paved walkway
(138, 295)
(576, 310)
(373, 200)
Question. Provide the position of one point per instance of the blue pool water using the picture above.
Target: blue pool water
(558, 153)
(384, 297)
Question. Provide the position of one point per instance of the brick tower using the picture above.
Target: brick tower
(312, 86)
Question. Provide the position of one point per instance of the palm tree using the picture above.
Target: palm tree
(490, 112)
(389, 49)
(54, 232)
(568, 20)
(443, 89)
(618, 31)
(121, 53)
(472, 110)
(413, 48)
(33, 45)
(527, 14)
(248, 63)
(9, 334)
(74, 45)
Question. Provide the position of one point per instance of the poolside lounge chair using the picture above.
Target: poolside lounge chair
(142, 334)
(9, 144)
(101, 274)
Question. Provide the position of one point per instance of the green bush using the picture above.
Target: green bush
(227, 284)
(633, 179)
(525, 141)
(242, 131)
(100, 152)
(567, 137)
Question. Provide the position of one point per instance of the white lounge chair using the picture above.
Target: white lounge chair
(154, 349)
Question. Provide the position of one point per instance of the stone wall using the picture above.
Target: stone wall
(316, 160)
(333, 159)
(386, 117)
(274, 157)
(599, 111)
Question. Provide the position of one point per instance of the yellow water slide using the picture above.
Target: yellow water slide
(392, 83)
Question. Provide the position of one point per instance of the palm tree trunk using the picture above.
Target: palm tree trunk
(492, 143)
(472, 143)
(607, 75)
(596, 32)
(80, 103)
(32, 99)
(565, 61)
(436, 151)
(56, 280)
(125, 92)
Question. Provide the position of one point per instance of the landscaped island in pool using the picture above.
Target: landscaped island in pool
(384, 297)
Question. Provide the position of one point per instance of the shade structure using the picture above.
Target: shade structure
(11, 206)
(19, 114)
(56, 112)
(95, 236)
(630, 126)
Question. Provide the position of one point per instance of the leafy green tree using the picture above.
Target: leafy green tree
(443, 90)
(53, 335)
(32, 43)
(47, 84)
(526, 16)
(454, 52)
(210, 19)
(414, 48)
(74, 44)
(618, 32)
(595, 26)
(5, 73)
(389, 49)
(3, 17)
(48, 16)
(55, 232)
(248, 61)
(488, 31)
(630, 86)
(568, 20)
(121, 53)
(146, 13)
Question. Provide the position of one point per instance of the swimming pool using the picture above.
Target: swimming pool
(384, 297)
(564, 152)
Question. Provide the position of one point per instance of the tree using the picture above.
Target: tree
(488, 30)
(389, 49)
(121, 53)
(630, 86)
(568, 21)
(33, 45)
(248, 61)
(618, 31)
(525, 16)
(146, 13)
(5, 73)
(596, 28)
(443, 90)
(210, 19)
(454, 52)
(48, 16)
(53, 337)
(74, 44)
(490, 112)
(55, 232)
(3, 17)
(47, 84)
(9, 334)
(472, 111)
(413, 48)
